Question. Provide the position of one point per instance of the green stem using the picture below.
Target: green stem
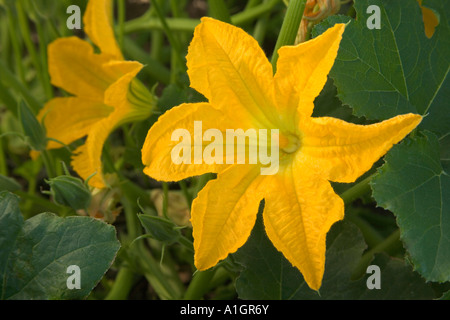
(151, 268)
(121, 9)
(389, 245)
(175, 24)
(43, 60)
(165, 204)
(5, 41)
(122, 285)
(186, 192)
(46, 158)
(15, 45)
(371, 235)
(201, 181)
(261, 27)
(199, 284)
(133, 226)
(32, 183)
(3, 166)
(219, 10)
(253, 13)
(175, 7)
(185, 242)
(9, 79)
(188, 25)
(157, 38)
(39, 201)
(251, 3)
(221, 276)
(177, 69)
(152, 67)
(170, 35)
(357, 191)
(155, 277)
(51, 27)
(8, 100)
(26, 35)
(289, 29)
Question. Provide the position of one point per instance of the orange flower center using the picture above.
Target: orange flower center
(289, 143)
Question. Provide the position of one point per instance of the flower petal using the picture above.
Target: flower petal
(158, 146)
(224, 61)
(69, 119)
(302, 72)
(74, 67)
(224, 213)
(343, 151)
(98, 21)
(298, 219)
(81, 163)
(117, 94)
(87, 158)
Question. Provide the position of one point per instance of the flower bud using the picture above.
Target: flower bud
(160, 229)
(70, 191)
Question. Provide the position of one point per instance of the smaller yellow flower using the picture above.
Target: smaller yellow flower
(105, 91)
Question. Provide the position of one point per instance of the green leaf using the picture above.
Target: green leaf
(174, 95)
(445, 152)
(396, 69)
(327, 104)
(415, 187)
(35, 254)
(32, 128)
(268, 275)
(9, 184)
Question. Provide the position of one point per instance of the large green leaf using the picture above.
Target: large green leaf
(395, 70)
(268, 275)
(35, 254)
(414, 185)
(385, 72)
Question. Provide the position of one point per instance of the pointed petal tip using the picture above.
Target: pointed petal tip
(410, 120)
(417, 118)
(202, 263)
(338, 30)
(314, 284)
(209, 19)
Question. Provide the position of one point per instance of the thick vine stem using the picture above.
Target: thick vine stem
(289, 29)
(199, 284)
(357, 191)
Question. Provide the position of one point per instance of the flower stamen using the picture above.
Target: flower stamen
(289, 143)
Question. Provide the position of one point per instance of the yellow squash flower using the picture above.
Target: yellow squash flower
(105, 91)
(228, 67)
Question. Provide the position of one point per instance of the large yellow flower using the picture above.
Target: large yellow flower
(228, 67)
(105, 91)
